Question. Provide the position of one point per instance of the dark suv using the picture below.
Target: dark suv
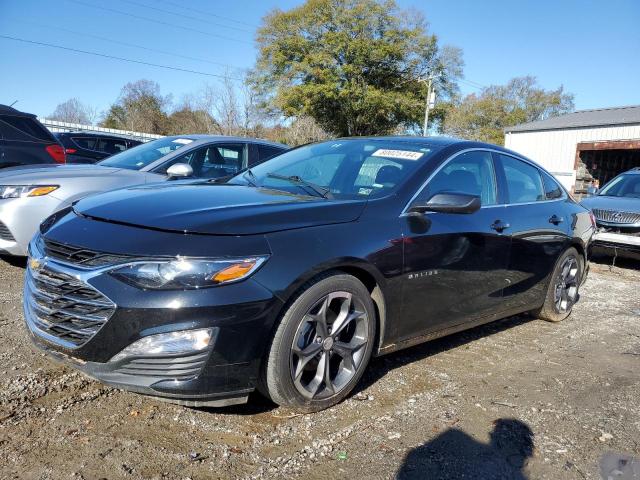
(25, 141)
(88, 147)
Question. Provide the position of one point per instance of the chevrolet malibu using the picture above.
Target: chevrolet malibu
(288, 278)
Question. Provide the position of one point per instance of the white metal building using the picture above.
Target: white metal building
(56, 126)
(582, 147)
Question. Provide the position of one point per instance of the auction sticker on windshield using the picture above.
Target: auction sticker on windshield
(402, 154)
(183, 141)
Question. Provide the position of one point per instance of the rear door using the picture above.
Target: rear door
(538, 228)
(25, 141)
(455, 264)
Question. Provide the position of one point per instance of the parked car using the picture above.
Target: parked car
(288, 277)
(25, 141)
(29, 195)
(617, 211)
(88, 147)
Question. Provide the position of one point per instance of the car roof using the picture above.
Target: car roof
(7, 110)
(225, 138)
(98, 134)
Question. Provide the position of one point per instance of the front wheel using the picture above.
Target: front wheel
(562, 293)
(321, 346)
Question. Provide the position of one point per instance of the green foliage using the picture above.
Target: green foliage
(485, 116)
(354, 66)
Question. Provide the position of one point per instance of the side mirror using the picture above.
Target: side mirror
(591, 190)
(448, 203)
(179, 170)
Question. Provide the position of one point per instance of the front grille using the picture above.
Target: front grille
(5, 233)
(64, 307)
(177, 368)
(81, 256)
(614, 216)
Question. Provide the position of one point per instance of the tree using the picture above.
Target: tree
(74, 111)
(140, 108)
(485, 116)
(303, 130)
(357, 67)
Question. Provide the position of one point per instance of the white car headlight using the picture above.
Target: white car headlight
(172, 343)
(184, 273)
(19, 191)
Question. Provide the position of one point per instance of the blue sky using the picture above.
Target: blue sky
(589, 47)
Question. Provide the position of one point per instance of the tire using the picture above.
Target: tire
(562, 292)
(304, 347)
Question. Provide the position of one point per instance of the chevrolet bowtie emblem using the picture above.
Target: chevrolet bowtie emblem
(34, 263)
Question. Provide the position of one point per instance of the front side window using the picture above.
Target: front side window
(221, 161)
(108, 145)
(88, 143)
(524, 184)
(348, 168)
(471, 173)
(145, 154)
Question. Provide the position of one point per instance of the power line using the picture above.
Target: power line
(126, 44)
(477, 85)
(159, 22)
(132, 2)
(113, 57)
(202, 12)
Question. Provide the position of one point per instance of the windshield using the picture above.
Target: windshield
(347, 169)
(139, 157)
(623, 186)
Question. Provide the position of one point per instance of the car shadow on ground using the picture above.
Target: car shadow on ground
(620, 262)
(456, 454)
(14, 261)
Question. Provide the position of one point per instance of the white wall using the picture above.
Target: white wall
(556, 149)
(56, 126)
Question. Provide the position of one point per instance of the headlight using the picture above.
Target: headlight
(18, 191)
(172, 343)
(184, 273)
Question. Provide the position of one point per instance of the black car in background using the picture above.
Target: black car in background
(25, 141)
(88, 147)
(289, 276)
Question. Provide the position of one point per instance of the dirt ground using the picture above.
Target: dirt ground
(519, 398)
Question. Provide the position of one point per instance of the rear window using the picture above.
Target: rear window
(266, 151)
(552, 189)
(24, 129)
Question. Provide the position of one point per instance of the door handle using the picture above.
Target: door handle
(499, 226)
(556, 220)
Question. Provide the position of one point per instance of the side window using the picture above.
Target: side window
(470, 173)
(552, 189)
(265, 152)
(111, 146)
(88, 143)
(524, 183)
(194, 158)
(221, 160)
(24, 129)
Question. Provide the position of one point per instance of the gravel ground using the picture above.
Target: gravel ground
(519, 398)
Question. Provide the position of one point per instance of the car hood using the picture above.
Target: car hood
(612, 203)
(29, 174)
(216, 209)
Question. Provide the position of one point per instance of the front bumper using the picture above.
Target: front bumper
(619, 244)
(240, 314)
(21, 218)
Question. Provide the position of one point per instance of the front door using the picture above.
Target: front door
(455, 264)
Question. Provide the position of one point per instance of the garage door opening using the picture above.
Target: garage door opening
(599, 162)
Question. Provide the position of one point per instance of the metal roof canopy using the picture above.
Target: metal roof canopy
(601, 117)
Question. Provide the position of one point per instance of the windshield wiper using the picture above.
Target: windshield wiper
(250, 177)
(295, 179)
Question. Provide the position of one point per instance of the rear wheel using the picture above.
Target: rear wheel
(321, 346)
(562, 292)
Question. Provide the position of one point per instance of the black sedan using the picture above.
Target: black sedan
(87, 147)
(290, 276)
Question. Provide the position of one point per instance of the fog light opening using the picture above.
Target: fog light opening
(182, 342)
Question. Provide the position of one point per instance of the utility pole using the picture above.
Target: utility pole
(431, 99)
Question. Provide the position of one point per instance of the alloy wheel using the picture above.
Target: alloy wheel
(566, 289)
(329, 345)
